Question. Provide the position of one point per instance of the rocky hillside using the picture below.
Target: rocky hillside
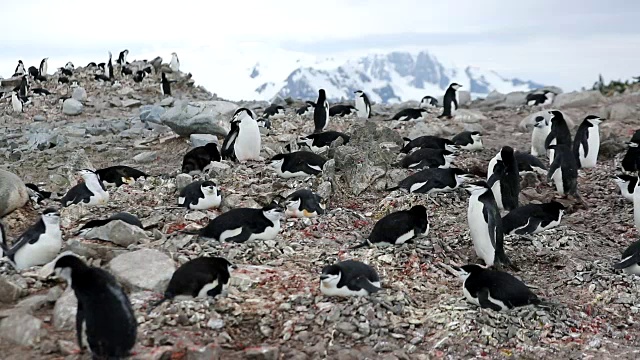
(273, 309)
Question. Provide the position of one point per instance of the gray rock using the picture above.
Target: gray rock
(262, 353)
(64, 312)
(219, 169)
(578, 99)
(13, 192)
(152, 113)
(22, 329)
(119, 233)
(41, 140)
(130, 103)
(182, 180)
(144, 269)
(9, 290)
(208, 117)
(32, 303)
(469, 116)
(79, 94)
(516, 98)
(145, 157)
(203, 139)
(39, 118)
(464, 98)
(620, 111)
(126, 91)
(72, 107)
(168, 101)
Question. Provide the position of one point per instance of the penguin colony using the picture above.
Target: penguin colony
(105, 322)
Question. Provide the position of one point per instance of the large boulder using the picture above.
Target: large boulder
(578, 99)
(205, 117)
(72, 107)
(118, 232)
(464, 98)
(620, 111)
(144, 269)
(516, 98)
(152, 113)
(64, 312)
(13, 192)
(79, 94)
(22, 329)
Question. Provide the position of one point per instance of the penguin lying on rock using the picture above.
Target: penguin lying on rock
(399, 227)
(349, 278)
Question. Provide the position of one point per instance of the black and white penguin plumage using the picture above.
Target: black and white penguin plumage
(306, 109)
(175, 62)
(104, 313)
(274, 111)
(349, 278)
(321, 112)
(428, 158)
(139, 76)
(529, 163)
(198, 158)
(19, 69)
(16, 103)
(363, 105)
(199, 278)
(66, 72)
(468, 140)
(627, 185)
(636, 206)
(485, 225)
(318, 142)
(122, 57)
(108, 70)
(450, 101)
(156, 63)
(69, 65)
(264, 123)
(545, 98)
(243, 142)
(245, 224)
(559, 133)
(428, 102)
(89, 192)
(504, 179)
(631, 160)
(297, 163)
(65, 80)
(41, 91)
(119, 175)
(121, 216)
(32, 71)
(166, 86)
(42, 70)
(533, 218)
(125, 70)
(496, 290)
(342, 110)
(24, 87)
(410, 114)
(36, 194)
(200, 195)
(539, 135)
(630, 260)
(38, 245)
(428, 141)
(399, 227)
(586, 143)
(433, 180)
(564, 171)
(304, 203)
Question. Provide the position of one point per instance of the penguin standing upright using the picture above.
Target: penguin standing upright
(564, 171)
(541, 131)
(122, 57)
(636, 205)
(631, 160)
(166, 86)
(363, 106)
(39, 244)
(399, 227)
(450, 101)
(504, 180)
(175, 63)
(495, 290)
(586, 143)
(19, 69)
(16, 103)
(104, 311)
(108, 70)
(559, 134)
(89, 192)
(321, 112)
(42, 71)
(349, 278)
(243, 141)
(485, 225)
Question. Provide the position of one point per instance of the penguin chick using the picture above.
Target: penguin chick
(90, 192)
(349, 278)
(200, 195)
(304, 203)
(399, 227)
(245, 224)
(198, 158)
(468, 140)
(533, 218)
(493, 289)
(38, 245)
(119, 175)
(104, 311)
(298, 163)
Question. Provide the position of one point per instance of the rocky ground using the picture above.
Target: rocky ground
(273, 309)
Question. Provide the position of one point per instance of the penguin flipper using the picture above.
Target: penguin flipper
(363, 283)
(242, 237)
(631, 260)
(531, 226)
(483, 299)
(555, 165)
(79, 324)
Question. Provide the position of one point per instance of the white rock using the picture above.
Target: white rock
(64, 312)
(72, 107)
(206, 117)
(182, 180)
(516, 98)
(144, 269)
(119, 233)
(145, 157)
(79, 94)
(578, 99)
(130, 103)
(469, 116)
(203, 139)
(22, 329)
(13, 192)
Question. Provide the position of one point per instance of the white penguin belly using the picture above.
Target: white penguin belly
(40, 253)
(551, 225)
(474, 146)
(492, 164)
(288, 174)
(636, 209)
(16, 104)
(551, 154)
(361, 108)
(229, 234)
(453, 108)
(594, 147)
(557, 179)
(99, 197)
(207, 203)
(203, 292)
(269, 233)
(247, 145)
(496, 189)
(480, 232)
(538, 137)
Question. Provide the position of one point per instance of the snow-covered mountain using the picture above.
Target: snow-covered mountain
(392, 77)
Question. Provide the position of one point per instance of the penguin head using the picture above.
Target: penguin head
(209, 188)
(20, 62)
(222, 263)
(293, 204)
(164, 77)
(322, 96)
(555, 115)
(273, 212)
(478, 187)
(506, 153)
(455, 86)
(66, 264)
(593, 119)
(418, 211)
(466, 270)
(277, 161)
(51, 216)
(239, 114)
(554, 205)
(330, 276)
(449, 155)
(540, 122)
(359, 93)
(126, 52)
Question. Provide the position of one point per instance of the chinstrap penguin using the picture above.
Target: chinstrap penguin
(428, 158)
(304, 203)
(428, 141)
(175, 62)
(410, 114)
(529, 163)
(321, 112)
(545, 98)
(586, 143)
(119, 175)
(428, 102)
(122, 57)
(349, 278)
(630, 260)
(89, 192)
(306, 109)
(468, 140)
(450, 101)
(435, 180)
(318, 142)
(559, 134)
(166, 86)
(245, 224)
(504, 179)
(16, 103)
(399, 227)
(42, 70)
(297, 163)
(564, 171)
(631, 160)
(19, 69)
(243, 142)
(627, 185)
(539, 135)
(533, 218)
(36, 194)
(363, 106)
(274, 111)
(200, 195)
(342, 110)
(198, 158)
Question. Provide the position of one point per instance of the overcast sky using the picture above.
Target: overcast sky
(566, 43)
